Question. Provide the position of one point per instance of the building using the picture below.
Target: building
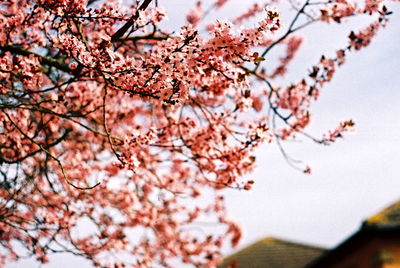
(375, 245)
(273, 253)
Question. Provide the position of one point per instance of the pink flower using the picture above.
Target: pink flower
(195, 15)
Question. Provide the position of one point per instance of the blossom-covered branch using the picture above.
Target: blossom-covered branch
(108, 119)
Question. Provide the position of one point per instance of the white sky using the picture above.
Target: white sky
(353, 178)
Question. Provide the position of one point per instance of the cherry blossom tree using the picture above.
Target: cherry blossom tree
(107, 117)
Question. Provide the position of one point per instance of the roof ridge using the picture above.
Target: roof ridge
(389, 215)
(291, 242)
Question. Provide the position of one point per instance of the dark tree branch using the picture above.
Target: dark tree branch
(47, 146)
(90, 2)
(145, 37)
(116, 36)
(45, 60)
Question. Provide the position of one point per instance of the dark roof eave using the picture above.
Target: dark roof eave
(365, 232)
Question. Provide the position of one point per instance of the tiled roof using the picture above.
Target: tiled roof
(273, 253)
(388, 217)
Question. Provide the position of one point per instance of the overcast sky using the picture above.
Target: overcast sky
(353, 178)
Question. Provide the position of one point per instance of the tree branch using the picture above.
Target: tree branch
(116, 36)
(145, 37)
(47, 146)
(50, 155)
(45, 60)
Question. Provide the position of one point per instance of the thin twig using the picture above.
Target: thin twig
(49, 154)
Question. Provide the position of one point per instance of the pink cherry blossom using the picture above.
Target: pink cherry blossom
(111, 121)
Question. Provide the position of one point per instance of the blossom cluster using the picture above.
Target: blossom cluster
(111, 121)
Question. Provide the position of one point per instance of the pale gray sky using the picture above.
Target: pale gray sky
(353, 178)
